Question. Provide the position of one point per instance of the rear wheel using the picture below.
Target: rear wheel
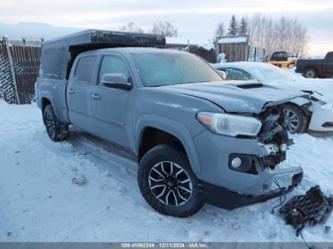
(295, 119)
(55, 129)
(167, 182)
(310, 73)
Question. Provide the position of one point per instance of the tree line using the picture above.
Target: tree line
(286, 34)
(161, 27)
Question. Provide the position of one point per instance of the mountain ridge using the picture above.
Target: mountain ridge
(34, 31)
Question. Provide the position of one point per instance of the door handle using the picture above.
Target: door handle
(71, 91)
(96, 96)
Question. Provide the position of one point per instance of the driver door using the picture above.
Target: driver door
(109, 105)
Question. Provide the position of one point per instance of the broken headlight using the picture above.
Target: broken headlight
(230, 125)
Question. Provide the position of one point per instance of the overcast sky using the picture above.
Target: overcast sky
(195, 19)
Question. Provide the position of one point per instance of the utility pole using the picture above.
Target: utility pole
(12, 68)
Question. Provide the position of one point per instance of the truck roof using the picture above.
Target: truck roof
(59, 54)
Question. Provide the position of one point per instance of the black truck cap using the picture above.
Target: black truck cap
(59, 54)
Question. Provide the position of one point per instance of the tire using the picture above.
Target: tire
(55, 130)
(178, 191)
(295, 119)
(310, 73)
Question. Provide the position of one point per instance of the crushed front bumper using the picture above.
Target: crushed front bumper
(227, 199)
(214, 154)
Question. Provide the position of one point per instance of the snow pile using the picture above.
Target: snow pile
(40, 202)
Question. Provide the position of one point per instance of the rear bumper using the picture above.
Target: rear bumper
(227, 199)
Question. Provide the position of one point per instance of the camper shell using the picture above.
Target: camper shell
(59, 54)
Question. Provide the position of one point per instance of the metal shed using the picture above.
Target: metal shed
(234, 47)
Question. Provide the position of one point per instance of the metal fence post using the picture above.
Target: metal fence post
(12, 69)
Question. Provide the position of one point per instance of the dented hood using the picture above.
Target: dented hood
(237, 96)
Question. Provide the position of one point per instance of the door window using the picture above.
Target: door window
(113, 64)
(85, 68)
(237, 74)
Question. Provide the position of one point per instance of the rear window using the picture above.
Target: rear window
(280, 56)
(329, 56)
(84, 69)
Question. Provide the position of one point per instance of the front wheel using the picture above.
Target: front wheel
(167, 182)
(55, 130)
(295, 119)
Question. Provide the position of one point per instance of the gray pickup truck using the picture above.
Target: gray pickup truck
(197, 139)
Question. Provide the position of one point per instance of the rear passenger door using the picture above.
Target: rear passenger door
(79, 90)
(110, 104)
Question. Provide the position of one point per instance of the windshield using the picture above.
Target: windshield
(161, 68)
(269, 73)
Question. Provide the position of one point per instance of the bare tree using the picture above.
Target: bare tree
(220, 31)
(283, 34)
(132, 27)
(165, 28)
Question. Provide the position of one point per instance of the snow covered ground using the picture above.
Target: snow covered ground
(39, 201)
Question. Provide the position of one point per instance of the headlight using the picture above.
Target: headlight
(230, 125)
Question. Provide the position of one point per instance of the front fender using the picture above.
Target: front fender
(172, 127)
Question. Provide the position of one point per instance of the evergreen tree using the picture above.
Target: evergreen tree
(233, 27)
(243, 28)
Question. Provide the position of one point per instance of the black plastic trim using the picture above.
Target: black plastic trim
(227, 199)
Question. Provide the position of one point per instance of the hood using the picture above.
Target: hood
(322, 86)
(248, 97)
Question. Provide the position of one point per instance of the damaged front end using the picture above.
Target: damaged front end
(273, 137)
(259, 175)
(274, 140)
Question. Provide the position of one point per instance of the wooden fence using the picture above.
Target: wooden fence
(19, 66)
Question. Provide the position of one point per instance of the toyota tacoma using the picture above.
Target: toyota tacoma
(197, 139)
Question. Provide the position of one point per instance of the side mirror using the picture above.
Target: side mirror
(116, 80)
(222, 74)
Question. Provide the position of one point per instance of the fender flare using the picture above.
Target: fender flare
(44, 95)
(172, 127)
